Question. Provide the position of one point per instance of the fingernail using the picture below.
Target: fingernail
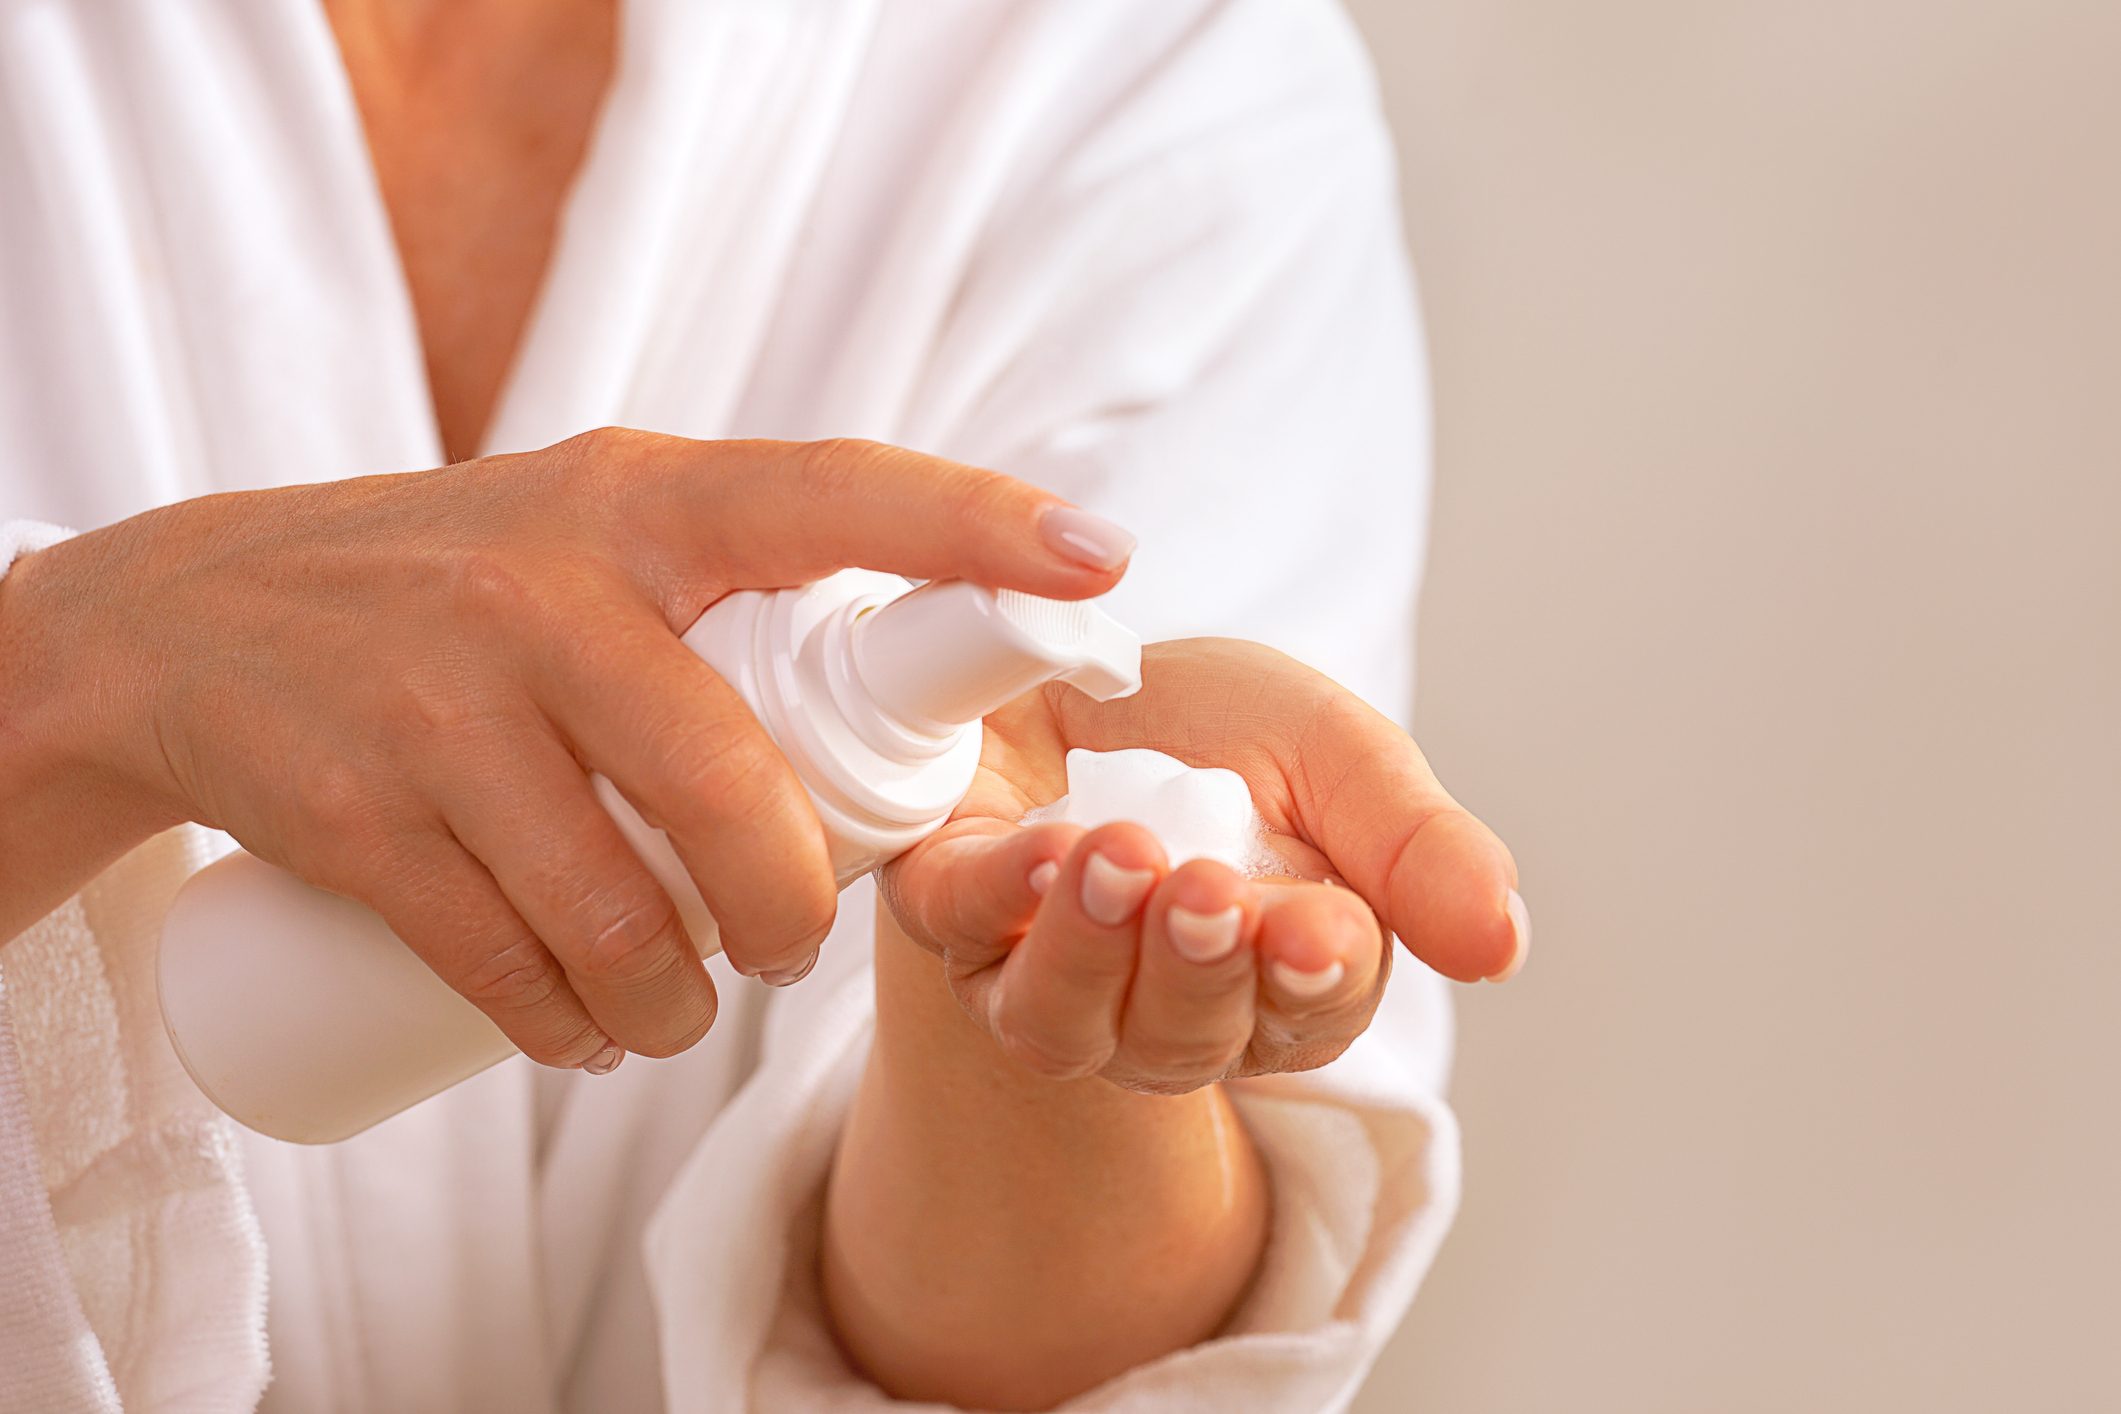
(605, 1061)
(1085, 538)
(1308, 986)
(1043, 876)
(1520, 935)
(1110, 893)
(789, 976)
(1204, 937)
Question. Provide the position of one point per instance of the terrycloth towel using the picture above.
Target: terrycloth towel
(22, 537)
(135, 1272)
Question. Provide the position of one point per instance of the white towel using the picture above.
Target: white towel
(23, 537)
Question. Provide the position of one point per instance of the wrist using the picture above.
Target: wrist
(71, 710)
(994, 1238)
(925, 1037)
(942, 1070)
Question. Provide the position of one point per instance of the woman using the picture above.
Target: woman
(1070, 1102)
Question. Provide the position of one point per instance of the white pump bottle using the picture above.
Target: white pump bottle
(301, 1015)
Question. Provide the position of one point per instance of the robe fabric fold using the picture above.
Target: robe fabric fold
(1146, 254)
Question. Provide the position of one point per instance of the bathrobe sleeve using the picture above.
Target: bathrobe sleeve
(22, 537)
(1197, 319)
(135, 1273)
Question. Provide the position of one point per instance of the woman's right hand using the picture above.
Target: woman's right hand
(397, 686)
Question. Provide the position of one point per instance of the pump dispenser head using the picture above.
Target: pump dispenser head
(948, 653)
(874, 691)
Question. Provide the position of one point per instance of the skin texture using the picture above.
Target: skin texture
(395, 686)
(1043, 1084)
(478, 114)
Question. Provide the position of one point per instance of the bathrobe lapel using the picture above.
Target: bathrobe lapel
(462, 1270)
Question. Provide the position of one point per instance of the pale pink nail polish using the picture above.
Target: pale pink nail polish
(1112, 894)
(789, 976)
(605, 1061)
(1043, 876)
(1521, 936)
(1308, 986)
(1086, 539)
(1204, 937)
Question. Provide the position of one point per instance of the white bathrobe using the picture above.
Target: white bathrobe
(1142, 251)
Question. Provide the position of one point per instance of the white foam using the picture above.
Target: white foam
(1196, 812)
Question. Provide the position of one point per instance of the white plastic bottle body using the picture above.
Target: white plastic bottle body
(301, 1015)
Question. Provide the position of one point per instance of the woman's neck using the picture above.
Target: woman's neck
(478, 115)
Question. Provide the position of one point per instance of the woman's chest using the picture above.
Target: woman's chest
(203, 285)
(477, 120)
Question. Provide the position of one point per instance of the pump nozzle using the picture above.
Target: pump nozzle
(950, 652)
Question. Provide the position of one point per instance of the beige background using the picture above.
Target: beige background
(1775, 617)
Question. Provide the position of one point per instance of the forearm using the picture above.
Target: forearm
(996, 1239)
(66, 810)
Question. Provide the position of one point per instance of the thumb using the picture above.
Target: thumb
(971, 890)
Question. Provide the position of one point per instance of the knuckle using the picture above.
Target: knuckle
(719, 769)
(519, 976)
(1189, 1062)
(1144, 1083)
(1312, 1057)
(1284, 1052)
(341, 800)
(1036, 1058)
(988, 497)
(502, 601)
(599, 464)
(436, 701)
(1052, 1057)
(840, 463)
(602, 445)
(632, 935)
(486, 583)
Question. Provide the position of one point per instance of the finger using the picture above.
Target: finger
(1357, 787)
(1322, 957)
(970, 891)
(763, 514)
(1058, 1002)
(1189, 1013)
(445, 906)
(685, 750)
(527, 813)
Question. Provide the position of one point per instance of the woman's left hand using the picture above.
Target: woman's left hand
(1084, 953)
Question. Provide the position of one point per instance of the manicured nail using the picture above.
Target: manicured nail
(789, 976)
(1043, 876)
(1204, 937)
(1110, 893)
(1308, 986)
(1520, 937)
(605, 1061)
(1085, 538)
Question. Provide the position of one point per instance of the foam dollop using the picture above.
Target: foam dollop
(1195, 812)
